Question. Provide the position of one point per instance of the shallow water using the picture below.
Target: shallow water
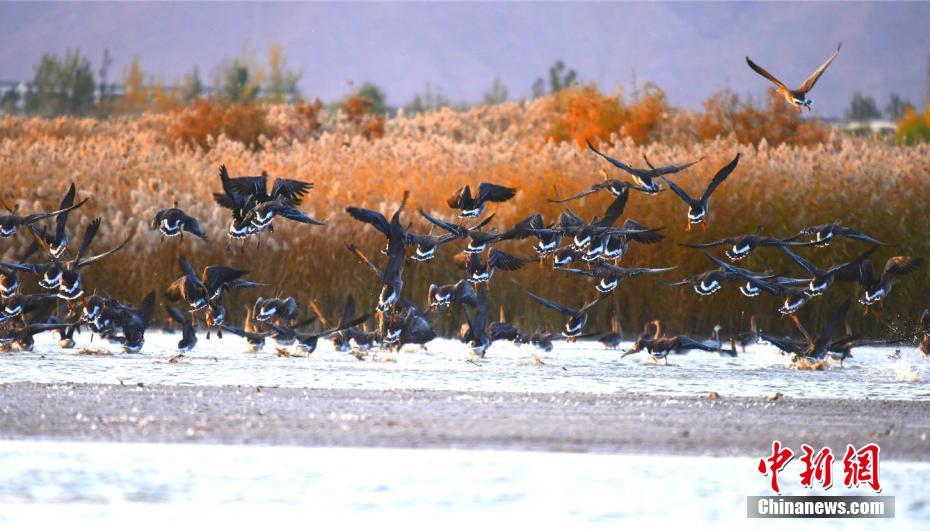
(145, 486)
(580, 367)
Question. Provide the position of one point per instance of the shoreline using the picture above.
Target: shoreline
(562, 422)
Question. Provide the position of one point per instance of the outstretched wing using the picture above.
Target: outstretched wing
(898, 266)
(678, 190)
(461, 197)
(721, 176)
(375, 219)
(290, 189)
(812, 79)
(191, 225)
(552, 305)
(708, 245)
(764, 73)
(495, 193)
(615, 162)
(615, 210)
(505, 261)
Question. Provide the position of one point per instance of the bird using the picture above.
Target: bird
(659, 346)
(65, 276)
(174, 221)
(697, 208)
(797, 97)
(822, 279)
(308, 342)
(477, 337)
(923, 331)
(823, 235)
(9, 277)
(198, 290)
(10, 223)
(426, 244)
(874, 288)
(133, 322)
(818, 345)
(741, 246)
(404, 326)
(57, 242)
(441, 297)
(479, 269)
(708, 282)
(392, 275)
(610, 276)
(577, 318)
(290, 190)
(501, 330)
(645, 178)
(254, 336)
(261, 216)
(756, 283)
(615, 187)
(188, 335)
(282, 311)
(472, 207)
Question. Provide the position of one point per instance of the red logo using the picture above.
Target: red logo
(860, 467)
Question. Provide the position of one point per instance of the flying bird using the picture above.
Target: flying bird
(697, 208)
(797, 97)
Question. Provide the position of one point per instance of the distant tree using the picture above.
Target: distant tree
(431, 98)
(192, 88)
(104, 90)
(237, 86)
(560, 78)
(282, 81)
(894, 110)
(375, 95)
(135, 97)
(62, 86)
(9, 104)
(497, 94)
(539, 88)
(239, 79)
(862, 108)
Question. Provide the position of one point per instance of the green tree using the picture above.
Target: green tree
(192, 88)
(560, 77)
(894, 110)
(375, 95)
(62, 86)
(431, 98)
(282, 81)
(539, 88)
(497, 94)
(862, 108)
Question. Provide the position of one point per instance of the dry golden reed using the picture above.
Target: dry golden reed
(131, 167)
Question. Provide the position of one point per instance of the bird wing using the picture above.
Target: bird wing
(671, 168)
(764, 73)
(579, 195)
(846, 232)
(812, 79)
(678, 190)
(850, 271)
(461, 197)
(214, 277)
(615, 162)
(495, 193)
(707, 245)
(721, 176)
(552, 305)
(445, 225)
(355, 250)
(66, 202)
(89, 233)
(290, 189)
(898, 266)
(648, 236)
(805, 265)
(191, 225)
(375, 219)
(287, 211)
(615, 210)
(505, 261)
(81, 262)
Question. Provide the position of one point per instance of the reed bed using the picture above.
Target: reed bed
(131, 167)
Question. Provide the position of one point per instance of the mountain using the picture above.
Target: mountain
(690, 50)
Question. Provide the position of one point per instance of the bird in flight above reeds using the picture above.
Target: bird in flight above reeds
(797, 97)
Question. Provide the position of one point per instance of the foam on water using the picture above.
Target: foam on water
(580, 367)
(148, 486)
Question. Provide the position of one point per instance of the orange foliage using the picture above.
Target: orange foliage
(583, 113)
(242, 122)
(913, 127)
(358, 111)
(726, 113)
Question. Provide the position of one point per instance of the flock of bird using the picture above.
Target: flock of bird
(593, 248)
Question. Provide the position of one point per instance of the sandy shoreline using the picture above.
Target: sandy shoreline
(442, 419)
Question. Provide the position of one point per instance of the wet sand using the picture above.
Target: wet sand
(697, 425)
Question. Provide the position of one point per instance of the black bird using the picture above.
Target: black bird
(10, 223)
(472, 207)
(9, 277)
(479, 269)
(65, 276)
(564, 256)
(290, 190)
(818, 346)
(479, 240)
(708, 282)
(392, 276)
(57, 243)
(188, 335)
(283, 311)
(875, 289)
(823, 279)
(697, 208)
(739, 247)
(23, 337)
(660, 347)
(476, 337)
(174, 222)
(610, 276)
(440, 297)
(798, 97)
(198, 291)
(615, 187)
(748, 337)
(923, 330)
(254, 335)
(348, 337)
(405, 326)
(577, 318)
(502, 330)
(823, 235)
(239, 204)
(616, 245)
(261, 216)
(309, 342)
(645, 178)
(757, 283)
(426, 244)
(21, 306)
(133, 322)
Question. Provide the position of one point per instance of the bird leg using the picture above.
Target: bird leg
(704, 224)
(688, 226)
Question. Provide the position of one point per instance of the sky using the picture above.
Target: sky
(689, 49)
